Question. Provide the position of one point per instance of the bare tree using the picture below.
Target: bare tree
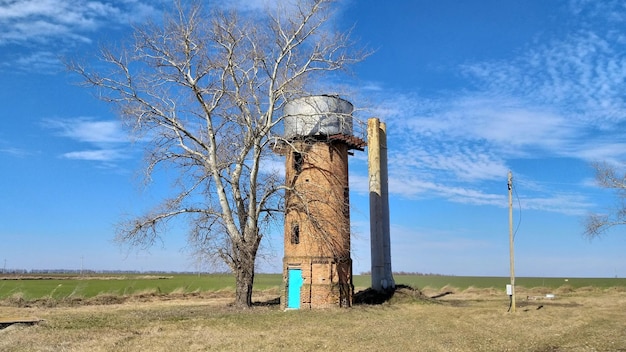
(206, 88)
(607, 177)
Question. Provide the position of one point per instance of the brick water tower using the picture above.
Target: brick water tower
(317, 268)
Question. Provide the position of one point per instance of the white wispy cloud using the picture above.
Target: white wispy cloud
(104, 155)
(89, 130)
(273, 166)
(12, 149)
(250, 5)
(563, 99)
(580, 75)
(411, 186)
(39, 61)
(35, 28)
(265, 5)
(41, 20)
(497, 121)
(16, 152)
(607, 10)
(105, 138)
(456, 151)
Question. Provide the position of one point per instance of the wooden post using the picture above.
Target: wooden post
(512, 258)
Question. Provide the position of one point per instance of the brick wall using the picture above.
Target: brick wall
(317, 223)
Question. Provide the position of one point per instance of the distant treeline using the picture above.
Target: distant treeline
(414, 273)
(87, 272)
(137, 272)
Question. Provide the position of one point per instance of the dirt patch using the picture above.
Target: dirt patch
(463, 321)
(110, 299)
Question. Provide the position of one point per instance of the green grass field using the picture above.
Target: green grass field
(464, 282)
(59, 286)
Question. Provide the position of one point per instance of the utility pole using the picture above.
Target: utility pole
(512, 293)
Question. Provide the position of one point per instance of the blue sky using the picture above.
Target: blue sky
(469, 90)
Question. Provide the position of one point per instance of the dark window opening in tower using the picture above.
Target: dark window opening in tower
(297, 161)
(295, 234)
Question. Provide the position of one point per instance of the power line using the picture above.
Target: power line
(519, 205)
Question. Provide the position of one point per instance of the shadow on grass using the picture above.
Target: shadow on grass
(269, 303)
(400, 294)
(5, 323)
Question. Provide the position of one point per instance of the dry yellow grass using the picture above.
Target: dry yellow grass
(470, 320)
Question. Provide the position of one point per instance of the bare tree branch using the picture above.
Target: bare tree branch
(607, 177)
(205, 90)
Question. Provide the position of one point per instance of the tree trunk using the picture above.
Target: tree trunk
(244, 269)
(244, 279)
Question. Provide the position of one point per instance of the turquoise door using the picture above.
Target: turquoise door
(294, 285)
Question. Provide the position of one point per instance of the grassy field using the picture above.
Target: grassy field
(59, 286)
(464, 282)
(584, 319)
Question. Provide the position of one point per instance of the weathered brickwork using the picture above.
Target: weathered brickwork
(317, 223)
